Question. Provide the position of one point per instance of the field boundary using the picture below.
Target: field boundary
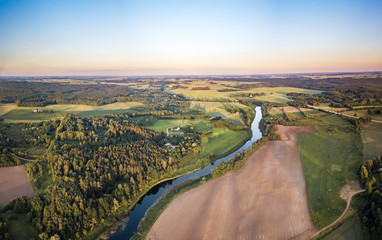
(340, 217)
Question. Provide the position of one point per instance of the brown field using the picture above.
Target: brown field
(289, 109)
(265, 199)
(14, 183)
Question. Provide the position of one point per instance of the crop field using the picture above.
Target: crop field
(276, 112)
(372, 140)
(218, 109)
(275, 94)
(14, 183)
(358, 113)
(268, 191)
(21, 114)
(326, 107)
(7, 107)
(330, 159)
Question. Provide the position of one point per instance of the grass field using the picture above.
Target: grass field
(275, 94)
(223, 142)
(330, 159)
(358, 113)
(21, 114)
(162, 124)
(218, 109)
(372, 140)
(350, 230)
(7, 107)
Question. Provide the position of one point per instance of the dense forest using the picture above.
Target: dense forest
(97, 165)
(38, 94)
(371, 213)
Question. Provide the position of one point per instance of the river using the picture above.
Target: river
(130, 224)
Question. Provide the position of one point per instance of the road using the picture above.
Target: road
(340, 114)
(340, 217)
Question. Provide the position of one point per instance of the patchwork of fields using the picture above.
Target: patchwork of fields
(192, 91)
(25, 114)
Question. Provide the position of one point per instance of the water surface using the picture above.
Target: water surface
(130, 226)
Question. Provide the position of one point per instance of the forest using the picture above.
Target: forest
(371, 177)
(97, 165)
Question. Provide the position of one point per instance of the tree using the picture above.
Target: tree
(364, 173)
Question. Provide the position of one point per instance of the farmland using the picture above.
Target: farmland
(330, 159)
(4, 108)
(13, 183)
(231, 206)
(220, 141)
(26, 114)
(372, 140)
(191, 91)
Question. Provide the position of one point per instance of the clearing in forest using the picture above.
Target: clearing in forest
(26, 114)
(14, 183)
(265, 199)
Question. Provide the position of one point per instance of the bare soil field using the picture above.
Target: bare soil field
(265, 199)
(14, 183)
(289, 109)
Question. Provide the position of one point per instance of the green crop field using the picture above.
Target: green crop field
(25, 114)
(330, 159)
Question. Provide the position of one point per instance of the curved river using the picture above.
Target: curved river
(130, 223)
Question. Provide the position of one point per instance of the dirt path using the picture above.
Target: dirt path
(14, 183)
(265, 199)
(25, 159)
(351, 195)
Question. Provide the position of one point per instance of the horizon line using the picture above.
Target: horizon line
(207, 75)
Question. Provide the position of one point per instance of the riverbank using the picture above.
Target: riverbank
(232, 206)
(114, 228)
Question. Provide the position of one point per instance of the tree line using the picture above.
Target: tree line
(96, 165)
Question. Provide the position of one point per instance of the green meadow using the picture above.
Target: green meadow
(372, 140)
(330, 159)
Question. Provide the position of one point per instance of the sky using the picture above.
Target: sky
(182, 37)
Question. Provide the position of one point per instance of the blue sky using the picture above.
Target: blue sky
(188, 37)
